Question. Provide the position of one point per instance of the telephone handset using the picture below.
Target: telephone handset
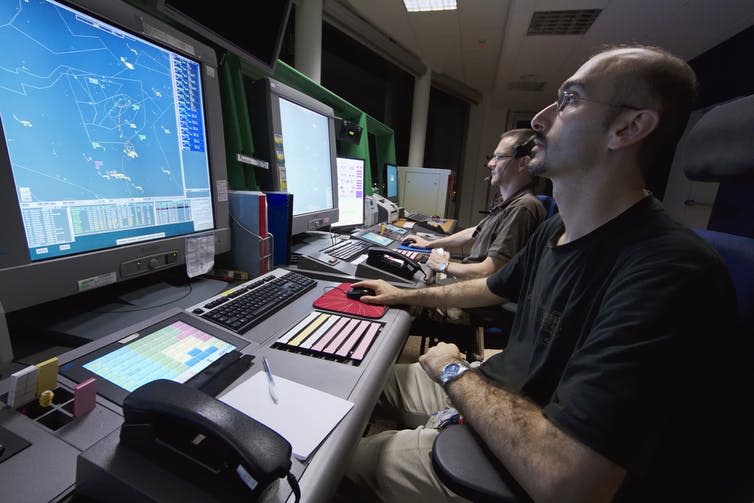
(393, 262)
(167, 420)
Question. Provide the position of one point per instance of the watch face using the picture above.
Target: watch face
(450, 371)
(452, 368)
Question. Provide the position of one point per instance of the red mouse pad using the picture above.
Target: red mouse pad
(335, 300)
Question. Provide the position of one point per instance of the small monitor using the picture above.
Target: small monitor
(391, 182)
(177, 348)
(377, 239)
(350, 192)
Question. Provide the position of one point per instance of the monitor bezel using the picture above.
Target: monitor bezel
(268, 139)
(393, 198)
(268, 67)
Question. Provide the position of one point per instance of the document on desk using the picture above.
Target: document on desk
(304, 416)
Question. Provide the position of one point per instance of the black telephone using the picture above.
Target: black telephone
(192, 432)
(393, 262)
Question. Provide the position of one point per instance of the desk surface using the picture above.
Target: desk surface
(447, 224)
(46, 470)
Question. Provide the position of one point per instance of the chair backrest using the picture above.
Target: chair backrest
(719, 148)
(551, 206)
(738, 254)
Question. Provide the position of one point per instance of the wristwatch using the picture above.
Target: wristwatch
(452, 371)
(442, 267)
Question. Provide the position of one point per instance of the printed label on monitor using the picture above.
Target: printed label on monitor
(97, 281)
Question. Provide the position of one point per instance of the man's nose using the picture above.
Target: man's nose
(544, 118)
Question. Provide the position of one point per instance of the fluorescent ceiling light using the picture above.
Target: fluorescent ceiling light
(428, 5)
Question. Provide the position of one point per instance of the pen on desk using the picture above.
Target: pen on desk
(270, 381)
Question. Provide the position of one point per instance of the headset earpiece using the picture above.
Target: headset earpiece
(523, 149)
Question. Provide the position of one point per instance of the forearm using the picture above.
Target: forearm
(474, 270)
(456, 240)
(547, 463)
(461, 294)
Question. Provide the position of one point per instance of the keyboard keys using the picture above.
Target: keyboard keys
(347, 250)
(248, 305)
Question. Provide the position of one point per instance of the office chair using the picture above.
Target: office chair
(491, 324)
(718, 148)
(551, 206)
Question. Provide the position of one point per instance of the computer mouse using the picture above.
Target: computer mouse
(358, 293)
(407, 242)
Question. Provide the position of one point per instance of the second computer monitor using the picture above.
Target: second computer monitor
(350, 192)
(391, 182)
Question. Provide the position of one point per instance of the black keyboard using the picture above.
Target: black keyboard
(416, 217)
(347, 250)
(243, 307)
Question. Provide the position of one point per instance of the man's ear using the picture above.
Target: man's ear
(631, 127)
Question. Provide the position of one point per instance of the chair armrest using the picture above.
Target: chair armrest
(470, 470)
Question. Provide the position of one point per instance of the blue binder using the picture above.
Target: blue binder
(249, 231)
(279, 224)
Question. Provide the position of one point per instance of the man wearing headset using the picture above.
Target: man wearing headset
(513, 218)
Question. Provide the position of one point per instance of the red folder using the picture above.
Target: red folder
(335, 300)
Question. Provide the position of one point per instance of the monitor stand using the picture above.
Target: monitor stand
(138, 304)
(311, 242)
(71, 322)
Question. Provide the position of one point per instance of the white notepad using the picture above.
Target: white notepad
(304, 416)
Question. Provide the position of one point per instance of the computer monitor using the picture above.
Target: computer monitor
(350, 192)
(256, 39)
(391, 182)
(295, 134)
(111, 149)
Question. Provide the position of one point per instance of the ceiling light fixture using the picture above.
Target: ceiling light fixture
(429, 5)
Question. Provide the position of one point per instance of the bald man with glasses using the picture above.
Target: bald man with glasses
(618, 382)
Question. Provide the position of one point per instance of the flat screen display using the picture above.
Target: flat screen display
(105, 132)
(256, 38)
(306, 150)
(176, 348)
(350, 192)
(376, 238)
(391, 182)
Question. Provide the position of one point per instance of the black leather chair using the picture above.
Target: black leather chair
(718, 148)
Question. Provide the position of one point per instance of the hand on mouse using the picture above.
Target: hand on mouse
(385, 293)
(417, 242)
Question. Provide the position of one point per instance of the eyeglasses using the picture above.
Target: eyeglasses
(500, 157)
(565, 98)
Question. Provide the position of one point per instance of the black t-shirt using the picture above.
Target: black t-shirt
(623, 337)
